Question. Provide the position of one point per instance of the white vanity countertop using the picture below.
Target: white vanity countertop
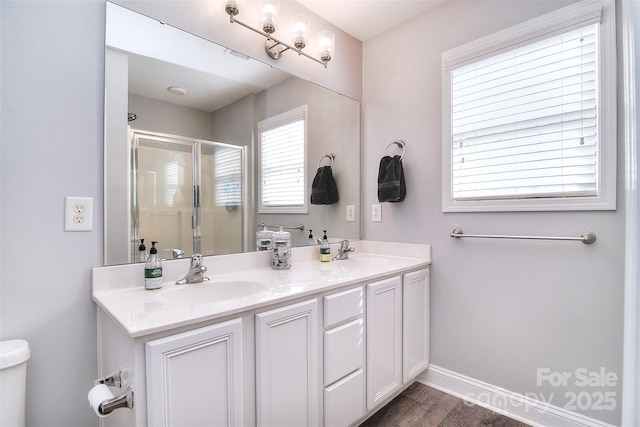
(240, 282)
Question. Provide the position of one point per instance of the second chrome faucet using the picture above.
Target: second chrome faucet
(343, 251)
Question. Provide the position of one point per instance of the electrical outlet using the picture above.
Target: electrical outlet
(376, 213)
(78, 213)
(351, 213)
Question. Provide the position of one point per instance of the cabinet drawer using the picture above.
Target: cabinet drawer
(342, 306)
(343, 350)
(344, 401)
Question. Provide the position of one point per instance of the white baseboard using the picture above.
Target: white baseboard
(517, 406)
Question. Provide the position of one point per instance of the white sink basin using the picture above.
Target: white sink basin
(209, 291)
(371, 262)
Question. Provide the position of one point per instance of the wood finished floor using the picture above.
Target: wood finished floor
(423, 406)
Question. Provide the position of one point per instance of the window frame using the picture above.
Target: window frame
(563, 20)
(271, 123)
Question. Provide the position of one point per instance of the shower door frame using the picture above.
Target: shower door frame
(196, 150)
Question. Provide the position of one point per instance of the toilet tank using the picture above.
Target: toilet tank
(13, 375)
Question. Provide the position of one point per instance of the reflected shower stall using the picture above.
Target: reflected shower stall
(187, 194)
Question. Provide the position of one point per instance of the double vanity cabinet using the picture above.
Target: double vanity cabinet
(320, 344)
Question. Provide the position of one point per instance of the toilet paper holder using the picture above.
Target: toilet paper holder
(123, 400)
(114, 379)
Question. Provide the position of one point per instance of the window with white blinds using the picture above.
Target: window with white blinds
(526, 123)
(282, 162)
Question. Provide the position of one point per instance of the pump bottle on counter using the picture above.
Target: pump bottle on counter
(153, 269)
(325, 249)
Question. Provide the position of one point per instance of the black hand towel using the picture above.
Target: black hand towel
(391, 187)
(324, 190)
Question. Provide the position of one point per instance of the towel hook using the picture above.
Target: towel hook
(330, 156)
(400, 143)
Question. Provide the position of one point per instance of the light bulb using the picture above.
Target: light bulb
(268, 13)
(326, 42)
(301, 28)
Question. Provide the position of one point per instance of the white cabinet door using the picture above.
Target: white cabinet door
(384, 339)
(287, 366)
(415, 324)
(195, 378)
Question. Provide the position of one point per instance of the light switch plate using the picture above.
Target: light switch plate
(376, 213)
(78, 213)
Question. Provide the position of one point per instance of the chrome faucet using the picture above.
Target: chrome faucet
(177, 253)
(196, 271)
(343, 251)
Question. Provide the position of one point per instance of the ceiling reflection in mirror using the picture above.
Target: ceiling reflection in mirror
(164, 168)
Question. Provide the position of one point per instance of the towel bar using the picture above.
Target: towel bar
(297, 227)
(587, 237)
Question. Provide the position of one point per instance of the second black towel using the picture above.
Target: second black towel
(391, 186)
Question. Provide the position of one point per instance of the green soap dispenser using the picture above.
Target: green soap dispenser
(325, 249)
(153, 269)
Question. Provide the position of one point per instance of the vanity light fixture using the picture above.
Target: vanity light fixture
(274, 47)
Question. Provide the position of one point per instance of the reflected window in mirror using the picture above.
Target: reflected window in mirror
(283, 146)
(228, 171)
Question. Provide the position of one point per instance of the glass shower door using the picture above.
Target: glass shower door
(187, 194)
(164, 194)
(221, 198)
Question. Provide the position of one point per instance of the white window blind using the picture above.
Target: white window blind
(228, 172)
(529, 115)
(524, 122)
(171, 181)
(282, 162)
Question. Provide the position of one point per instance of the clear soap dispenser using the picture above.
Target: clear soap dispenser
(142, 256)
(153, 269)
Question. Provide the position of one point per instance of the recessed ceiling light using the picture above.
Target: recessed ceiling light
(177, 90)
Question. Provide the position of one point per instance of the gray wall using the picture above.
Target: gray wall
(52, 127)
(164, 117)
(500, 309)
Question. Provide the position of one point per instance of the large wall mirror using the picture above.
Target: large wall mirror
(181, 164)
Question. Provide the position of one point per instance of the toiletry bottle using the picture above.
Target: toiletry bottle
(153, 269)
(310, 242)
(142, 256)
(281, 259)
(264, 239)
(325, 250)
